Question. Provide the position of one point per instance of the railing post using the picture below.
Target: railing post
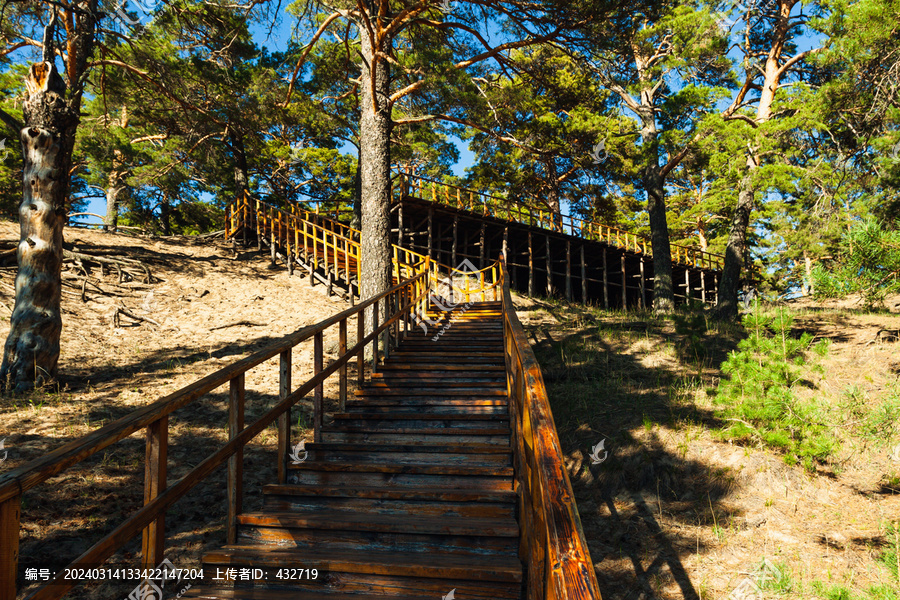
(318, 397)
(235, 488)
(154, 537)
(375, 337)
(342, 372)
(284, 420)
(10, 523)
(360, 358)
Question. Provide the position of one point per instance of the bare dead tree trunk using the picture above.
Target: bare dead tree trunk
(375, 164)
(31, 352)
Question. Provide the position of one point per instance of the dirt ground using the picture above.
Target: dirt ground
(676, 512)
(211, 307)
(673, 512)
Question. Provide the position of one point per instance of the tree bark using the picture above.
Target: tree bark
(730, 282)
(653, 182)
(114, 187)
(375, 166)
(31, 352)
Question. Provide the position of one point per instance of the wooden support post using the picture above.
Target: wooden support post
(272, 235)
(360, 358)
(318, 395)
(549, 264)
(455, 235)
(10, 524)
(235, 486)
(643, 284)
(605, 282)
(287, 246)
(703, 287)
(284, 420)
(481, 248)
(258, 228)
(687, 286)
(530, 266)
(400, 223)
(568, 270)
(715, 287)
(375, 339)
(155, 461)
(624, 285)
(584, 285)
(430, 230)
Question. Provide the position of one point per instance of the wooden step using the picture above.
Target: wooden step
(366, 455)
(342, 531)
(439, 367)
(425, 476)
(332, 562)
(446, 391)
(493, 437)
(397, 404)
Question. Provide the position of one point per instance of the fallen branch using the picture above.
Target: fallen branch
(121, 310)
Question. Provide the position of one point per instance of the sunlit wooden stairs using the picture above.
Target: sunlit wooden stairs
(410, 494)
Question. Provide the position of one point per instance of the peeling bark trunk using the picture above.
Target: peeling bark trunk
(31, 353)
(357, 198)
(375, 164)
(240, 164)
(165, 215)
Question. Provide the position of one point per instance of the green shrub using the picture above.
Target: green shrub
(759, 399)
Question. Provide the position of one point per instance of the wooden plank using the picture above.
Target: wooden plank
(235, 474)
(10, 523)
(318, 395)
(342, 373)
(284, 421)
(156, 459)
(584, 281)
(568, 270)
(548, 261)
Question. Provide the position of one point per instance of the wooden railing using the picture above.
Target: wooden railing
(514, 210)
(391, 315)
(552, 543)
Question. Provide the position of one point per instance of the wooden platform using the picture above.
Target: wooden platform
(410, 495)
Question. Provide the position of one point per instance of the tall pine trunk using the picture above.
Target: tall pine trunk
(730, 283)
(113, 188)
(31, 353)
(375, 170)
(654, 186)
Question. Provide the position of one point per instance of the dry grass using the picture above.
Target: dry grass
(675, 512)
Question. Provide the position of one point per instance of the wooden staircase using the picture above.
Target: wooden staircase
(410, 494)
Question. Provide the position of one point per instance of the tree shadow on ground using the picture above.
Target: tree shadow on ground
(618, 379)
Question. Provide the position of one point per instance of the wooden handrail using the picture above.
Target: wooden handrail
(552, 546)
(399, 304)
(515, 210)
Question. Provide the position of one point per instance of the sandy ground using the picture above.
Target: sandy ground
(211, 307)
(675, 511)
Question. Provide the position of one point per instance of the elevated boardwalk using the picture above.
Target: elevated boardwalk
(547, 255)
